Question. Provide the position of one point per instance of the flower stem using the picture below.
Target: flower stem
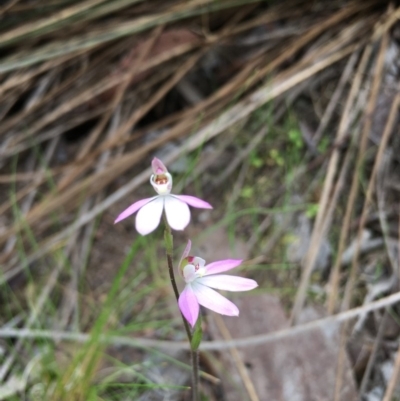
(168, 248)
(195, 375)
(168, 239)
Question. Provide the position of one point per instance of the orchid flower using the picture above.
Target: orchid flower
(150, 209)
(201, 278)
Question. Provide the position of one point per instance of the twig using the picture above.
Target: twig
(334, 100)
(368, 197)
(251, 391)
(317, 234)
(205, 345)
(372, 357)
(394, 379)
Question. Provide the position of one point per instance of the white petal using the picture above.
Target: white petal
(178, 213)
(149, 216)
(189, 273)
(228, 283)
(214, 301)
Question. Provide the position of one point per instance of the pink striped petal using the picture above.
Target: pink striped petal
(222, 266)
(194, 202)
(158, 166)
(228, 283)
(149, 216)
(132, 209)
(186, 251)
(188, 305)
(214, 301)
(178, 213)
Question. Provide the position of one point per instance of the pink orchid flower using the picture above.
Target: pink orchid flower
(201, 278)
(150, 209)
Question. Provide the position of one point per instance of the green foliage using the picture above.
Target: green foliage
(312, 210)
(247, 192)
(295, 138)
(197, 335)
(277, 157)
(256, 160)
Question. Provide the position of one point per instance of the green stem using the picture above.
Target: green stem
(194, 346)
(195, 375)
(168, 239)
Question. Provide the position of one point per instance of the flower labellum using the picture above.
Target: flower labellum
(150, 209)
(201, 279)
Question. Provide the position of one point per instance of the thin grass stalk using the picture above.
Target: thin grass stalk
(346, 303)
(334, 279)
(226, 120)
(323, 204)
(244, 374)
(382, 146)
(252, 341)
(94, 39)
(396, 370)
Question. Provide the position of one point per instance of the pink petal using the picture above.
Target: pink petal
(193, 201)
(188, 305)
(228, 283)
(186, 251)
(132, 209)
(158, 166)
(222, 266)
(178, 213)
(149, 216)
(214, 301)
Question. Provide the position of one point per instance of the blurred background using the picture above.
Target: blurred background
(282, 114)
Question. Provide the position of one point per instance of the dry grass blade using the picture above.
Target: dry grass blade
(333, 103)
(227, 119)
(346, 302)
(30, 29)
(66, 180)
(334, 279)
(393, 380)
(368, 197)
(251, 391)
(317, 234)
(207, 345)
(372, 358)
(316, 237)
(87, 11)
(91, 40)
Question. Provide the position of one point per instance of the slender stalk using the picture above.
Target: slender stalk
(195, 375)
(168, 239)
